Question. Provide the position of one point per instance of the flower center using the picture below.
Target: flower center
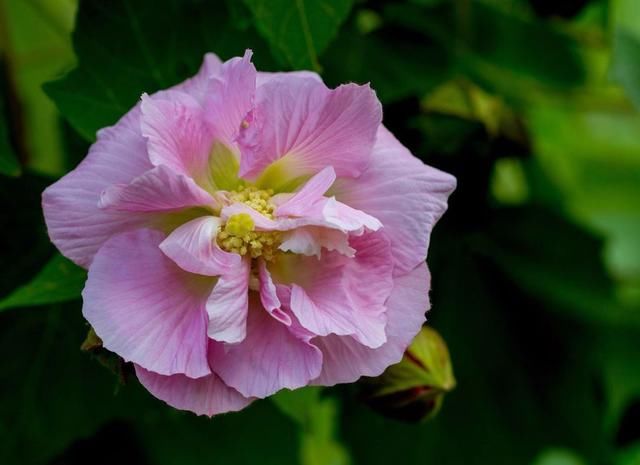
(239, 234)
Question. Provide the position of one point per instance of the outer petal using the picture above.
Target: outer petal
(198, 85)
(346, 296)
(271, 357)
(145, 308)
(204, 396)
(264, 77)
(230, 97)
(345, 360)
(75, 224)
(228, 304)
(159, 190)
(178, 135)
(193, 247)
(407, 196)
(311, 126)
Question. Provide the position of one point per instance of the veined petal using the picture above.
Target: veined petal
(270, 358)
(407, 196)
(230, 97)
(198, 85)
(345, 218)
(157, 190)
(304, 126)
(193, 247)
(263, 77)
(345, 296)
(269, 295)
(177, 134)
(312, 191)
(75, 224)
(346, 360)
(203, 396)
(310, 204)
(228, 304)
(310, 240)
(145, 308)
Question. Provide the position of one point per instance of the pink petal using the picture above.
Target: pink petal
(178, 135)
(310, 240)
(145, 308)
(406, 195)
(311, 127)
(198, 85)
(75, 224)
(157, 190)
(345, 218)
(269, 295)
(230, 97)
(312, 192)
(271, 357)
(345, 296)
(346, 360)
(228, 304)
(263, 77)
(203, 396)
(193, 247)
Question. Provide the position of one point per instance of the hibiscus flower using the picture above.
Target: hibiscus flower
(247, 232)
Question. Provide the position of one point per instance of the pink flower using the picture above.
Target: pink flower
(247, 232)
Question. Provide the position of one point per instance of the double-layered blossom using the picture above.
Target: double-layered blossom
(247, 232)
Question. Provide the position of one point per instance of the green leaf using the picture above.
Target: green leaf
(59, 281)
(317, 418)
(625, 66)
(626, 63)
(299, 30)
(137, 47)
(589, 157)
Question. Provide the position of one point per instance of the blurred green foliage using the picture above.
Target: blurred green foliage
(532, 104)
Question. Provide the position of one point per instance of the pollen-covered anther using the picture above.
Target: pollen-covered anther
(258, 199)
(239, 235)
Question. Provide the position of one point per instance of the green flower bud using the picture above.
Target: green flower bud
(413, 390)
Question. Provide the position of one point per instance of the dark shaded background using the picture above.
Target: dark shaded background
(531, 104)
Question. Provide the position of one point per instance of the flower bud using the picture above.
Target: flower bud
(413, 390)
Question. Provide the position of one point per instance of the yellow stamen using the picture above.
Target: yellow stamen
(239, 235)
